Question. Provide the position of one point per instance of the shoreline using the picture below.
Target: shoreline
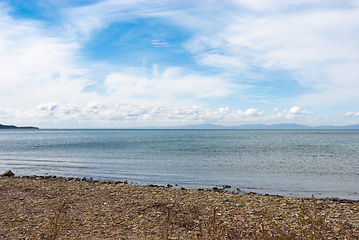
(107, 210)
(286, 164)
(217, 188)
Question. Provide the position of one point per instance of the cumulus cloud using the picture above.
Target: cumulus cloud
(97, 111)
(117, 113)
(122, 112)
(128, 115)
(295, 110)
(350, 114)
(250, 112)
(293, 113)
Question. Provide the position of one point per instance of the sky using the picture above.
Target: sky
(138, 63)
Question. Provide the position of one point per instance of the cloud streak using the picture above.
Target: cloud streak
(170, 86)
(316, 45)
(36, 66)
(249, 55)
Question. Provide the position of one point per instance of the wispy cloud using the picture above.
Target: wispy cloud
(35, 65)
(229, 54)
(315, 42)
(159, 43)
(83, 21)
(170, 86)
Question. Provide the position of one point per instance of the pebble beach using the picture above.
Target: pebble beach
(50, 207)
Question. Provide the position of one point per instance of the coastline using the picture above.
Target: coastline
(11, 127)
(292, 163)
(107, 210)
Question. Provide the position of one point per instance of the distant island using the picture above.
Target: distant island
(15, 127)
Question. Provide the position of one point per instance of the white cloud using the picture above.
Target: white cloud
(253, 112)
(293, 113)
(275, 5)
(120, 112)
(97, 114)
(85, 20)
(172, 86)
(295, 110)
(350, 114)
(314, 41)
(51, 106)
(28, 58)
(35, 65)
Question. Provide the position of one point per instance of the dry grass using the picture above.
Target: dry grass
(31, 208)
(312, 225)
(58, 223)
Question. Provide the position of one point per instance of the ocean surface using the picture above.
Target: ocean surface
(284, 162)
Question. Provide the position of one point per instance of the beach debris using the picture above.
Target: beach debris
(8, 173)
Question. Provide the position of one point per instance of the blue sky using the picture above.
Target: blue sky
(133, 63)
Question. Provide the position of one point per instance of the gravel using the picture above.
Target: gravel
(52, 207)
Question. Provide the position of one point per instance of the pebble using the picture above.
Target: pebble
(104, 210)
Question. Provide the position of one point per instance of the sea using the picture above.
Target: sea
(300, 163)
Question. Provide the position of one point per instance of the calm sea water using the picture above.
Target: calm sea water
(284, 162)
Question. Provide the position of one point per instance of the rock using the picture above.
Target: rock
(8, 173)
(102, 211)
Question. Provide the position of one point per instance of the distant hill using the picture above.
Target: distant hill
(260, 126)
(273, 126)
(15, 127)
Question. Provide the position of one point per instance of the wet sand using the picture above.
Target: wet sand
(40, 207)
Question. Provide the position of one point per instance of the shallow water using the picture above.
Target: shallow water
(284, 162)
